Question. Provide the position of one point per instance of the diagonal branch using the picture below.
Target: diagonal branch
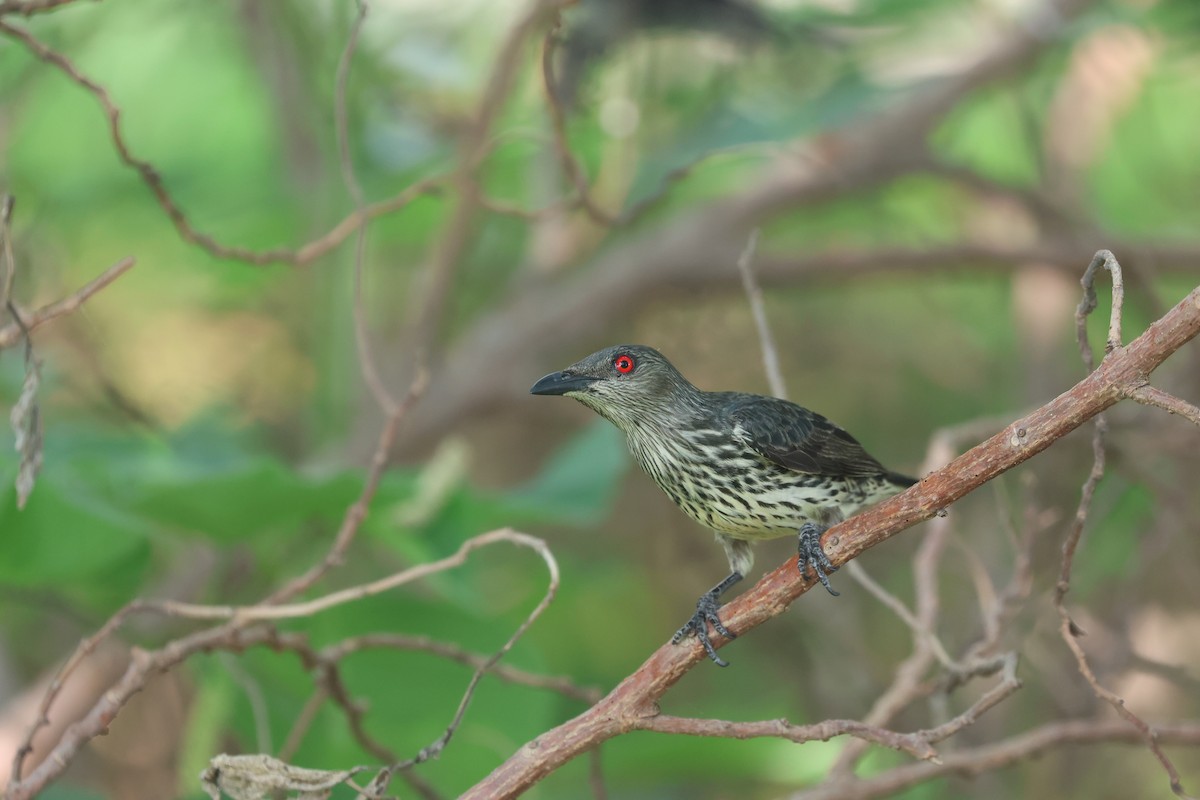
(636, 697)
(11, 333)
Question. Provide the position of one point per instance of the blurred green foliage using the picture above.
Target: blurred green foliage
(204, 418)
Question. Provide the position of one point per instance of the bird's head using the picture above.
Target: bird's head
(627, 384)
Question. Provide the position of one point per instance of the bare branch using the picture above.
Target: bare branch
(908, 684)
(362, 338)
(237, 633)
(972, 761)
(10, 263)
(423, 644)
(1009, 683)
(1105, 259)
(915, 744)
(357, 512)
(754, 295)
(455, 235)
(303, 722)
(570, 164)
(11, 333)
(636, 696)
(1150, 396)
(275, 611)
(1069, 630)
(860, 574)
(435, 748)
(150, 176)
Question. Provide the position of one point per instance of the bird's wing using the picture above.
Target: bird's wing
(796, 438)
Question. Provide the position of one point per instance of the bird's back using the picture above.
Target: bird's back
(759, 467)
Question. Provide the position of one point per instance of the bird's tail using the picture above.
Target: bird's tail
(898, 480)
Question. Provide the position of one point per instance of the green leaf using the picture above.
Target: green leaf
(65, 533)
(579, 482)
(233, 505)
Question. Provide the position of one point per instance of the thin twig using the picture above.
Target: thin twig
(456, 234)
(1105, 259)
(1150, 396)
(362, 337)
(11, 333)
(330, 685)
(435, 748)
(915, 744)
(570, 164)
(754, 295)
(82, 651)
(399, 641)
(908, 684)
(987, 758)
(256, 701)
(357, 512)
(860, 574)
(302, 724)
(1069, 631)
(236, 634)
(10, 263)
(299, 256)
(596, 775)
(276, 611)
(1009, 683)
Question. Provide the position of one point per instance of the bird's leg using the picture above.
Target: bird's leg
(706, 612)
(813, 555)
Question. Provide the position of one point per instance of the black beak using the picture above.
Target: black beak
(561, 383)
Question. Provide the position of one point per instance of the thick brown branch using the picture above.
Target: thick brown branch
(636, 696)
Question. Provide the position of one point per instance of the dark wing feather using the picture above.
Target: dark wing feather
(799, 439)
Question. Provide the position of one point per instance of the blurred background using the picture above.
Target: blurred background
(930, 180)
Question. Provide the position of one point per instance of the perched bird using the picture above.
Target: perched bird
(748, 467)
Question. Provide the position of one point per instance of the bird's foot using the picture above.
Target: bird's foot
(813, 555)
(706, 612)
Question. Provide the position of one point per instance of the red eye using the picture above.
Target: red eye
(624, 364)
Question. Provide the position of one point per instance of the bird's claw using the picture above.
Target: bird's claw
(706, 612)
(813, 555)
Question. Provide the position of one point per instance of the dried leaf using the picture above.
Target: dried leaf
(26, 421)
(257, 776)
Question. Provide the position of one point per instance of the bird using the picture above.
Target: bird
(747, 466)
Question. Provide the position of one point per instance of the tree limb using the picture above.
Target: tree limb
(637, 696)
